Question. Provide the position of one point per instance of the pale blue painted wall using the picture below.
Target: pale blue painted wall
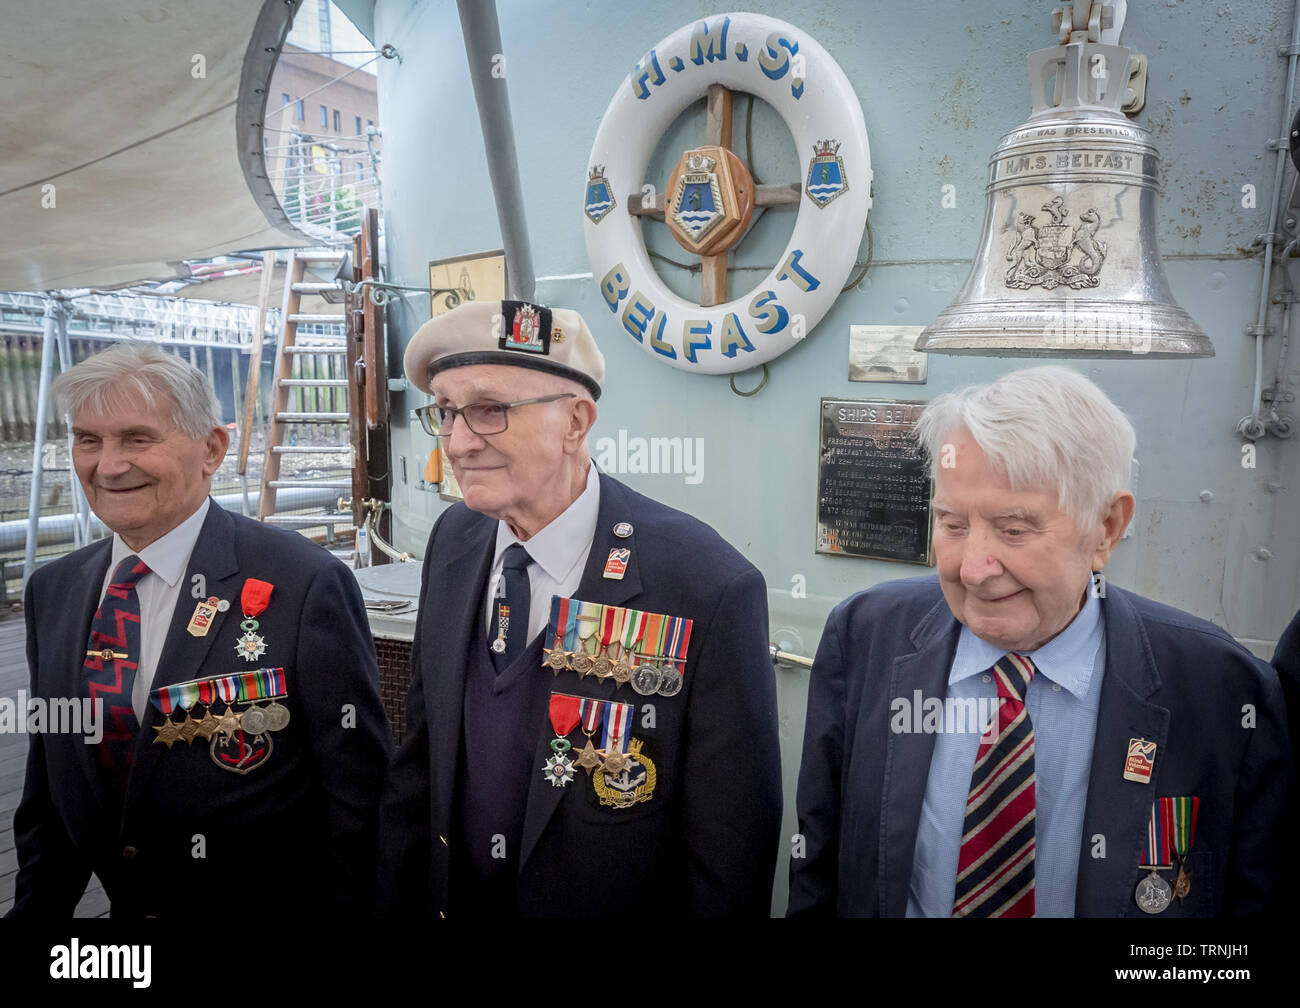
(939, 83)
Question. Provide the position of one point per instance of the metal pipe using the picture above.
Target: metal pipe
(79, 506)
(482, 32)
(1274, 218)
(785, 656)
(59, 530)
(53, 307)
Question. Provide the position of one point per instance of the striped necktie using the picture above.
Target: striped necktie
(995, 871)
(112, 655)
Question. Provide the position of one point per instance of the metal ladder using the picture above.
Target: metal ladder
(288, 378)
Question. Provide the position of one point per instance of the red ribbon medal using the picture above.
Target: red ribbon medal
(253, 600)
(564, 718)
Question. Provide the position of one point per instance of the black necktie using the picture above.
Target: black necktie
(509, 631)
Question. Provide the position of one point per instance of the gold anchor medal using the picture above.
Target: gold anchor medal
(633, 783)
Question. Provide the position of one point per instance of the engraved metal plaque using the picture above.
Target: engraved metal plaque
(873, 485)
(883, 353)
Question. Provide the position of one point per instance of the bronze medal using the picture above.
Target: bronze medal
(167, 732)
(188, 729)
(647, 678)
(206, 726)
(277, 716)
(253, 721)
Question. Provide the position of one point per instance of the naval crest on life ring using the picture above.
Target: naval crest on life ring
(826, 176)
(1041, 254)
(600, 197)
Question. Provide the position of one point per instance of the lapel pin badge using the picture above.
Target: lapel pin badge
(623, 529)
(616, 565)
(1141, 760)
(204, 611)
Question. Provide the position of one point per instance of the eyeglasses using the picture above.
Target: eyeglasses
(481, 418)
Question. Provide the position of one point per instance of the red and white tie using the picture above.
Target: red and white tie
(995, 871)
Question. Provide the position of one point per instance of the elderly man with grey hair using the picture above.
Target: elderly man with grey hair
(228, 663)
(1015, 737)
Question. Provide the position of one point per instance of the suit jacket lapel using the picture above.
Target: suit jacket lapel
(908, 755)
(543, 798)
(1117, 811)
(183, 655)
(457, 623)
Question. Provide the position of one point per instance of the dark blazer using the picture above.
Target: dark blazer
(1170, 678)
(299, 828)
(705, 843)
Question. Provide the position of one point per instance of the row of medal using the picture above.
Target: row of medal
(240, 688)
(1170, 834)
(608, 720)
(645, 650)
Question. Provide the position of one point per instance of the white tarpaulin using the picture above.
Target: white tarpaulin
(126, 142)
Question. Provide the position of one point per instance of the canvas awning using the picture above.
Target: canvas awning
(149, 163)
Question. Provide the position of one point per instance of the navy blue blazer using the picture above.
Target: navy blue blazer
(1170, 678)
(706, 841)
(300, 827)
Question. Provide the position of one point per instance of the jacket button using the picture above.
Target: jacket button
(129, 852)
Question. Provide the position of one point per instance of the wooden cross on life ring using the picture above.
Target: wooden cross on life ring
(712, 170)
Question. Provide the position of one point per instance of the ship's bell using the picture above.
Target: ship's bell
(1068, 264)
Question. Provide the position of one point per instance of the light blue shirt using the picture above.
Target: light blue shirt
(1062, 703)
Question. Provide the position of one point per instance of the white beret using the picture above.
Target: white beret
(555, 340)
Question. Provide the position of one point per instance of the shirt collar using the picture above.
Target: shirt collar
(564, 543)
(1068, 659)
(168, 555)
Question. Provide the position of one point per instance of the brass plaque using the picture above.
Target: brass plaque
(883, 353)
(873, 485)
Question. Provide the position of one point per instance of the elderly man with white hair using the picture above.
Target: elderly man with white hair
(1017, 737)
(231, 665)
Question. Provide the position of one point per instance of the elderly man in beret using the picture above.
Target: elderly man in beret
(591, 723)
(1016, 737)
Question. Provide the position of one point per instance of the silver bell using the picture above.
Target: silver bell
(1068, 263)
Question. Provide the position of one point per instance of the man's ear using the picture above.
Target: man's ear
(582, 417)
(217, 441)
(1113, 524)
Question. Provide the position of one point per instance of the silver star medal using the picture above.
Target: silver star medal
(558, 770)
(251, 646)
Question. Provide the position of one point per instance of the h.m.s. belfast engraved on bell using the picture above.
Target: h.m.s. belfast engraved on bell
(1068, 264)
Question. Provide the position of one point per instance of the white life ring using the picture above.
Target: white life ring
(743, 52)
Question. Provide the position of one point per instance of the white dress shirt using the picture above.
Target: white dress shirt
(158, 591)
(559, 553)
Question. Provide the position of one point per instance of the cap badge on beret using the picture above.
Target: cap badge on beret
(527, 327)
